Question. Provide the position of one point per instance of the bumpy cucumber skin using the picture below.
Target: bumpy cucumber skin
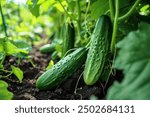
(62, 70)
(98, 50)
(47, 48)
(69, 39)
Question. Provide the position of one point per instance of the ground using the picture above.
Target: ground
(65, 91)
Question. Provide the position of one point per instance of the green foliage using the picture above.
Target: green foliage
(9, 48)
(50, 64)
(17, 72)
(34, 7)
(4, 93)
(22, 45)
(43, 22)
(133, 59)
(99, 7)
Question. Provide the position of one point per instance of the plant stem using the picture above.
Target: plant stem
(111, 6)
(3, 20)
(79, 18)
(3, 70)
(3, 59)
(6, 75)
(115, 26)
(65, 9)
(130, 12)
(85, 18)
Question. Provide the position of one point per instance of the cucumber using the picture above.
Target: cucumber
(62, 70)
(99, 48)
(47, 48)
(69, 39)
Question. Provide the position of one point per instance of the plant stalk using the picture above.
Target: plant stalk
(130, 12)
(115, 26)
(112, 9)
(79, 18)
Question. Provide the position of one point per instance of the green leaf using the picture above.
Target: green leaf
(33, 7)
(4, 93)
(51, 63)
(18, 72)
(22, 45)
(134, 60)
(11, 49)
(99, 8)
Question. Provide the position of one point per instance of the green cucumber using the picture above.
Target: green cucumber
(62, 70)
(47, 48)
(69, 39)
(99, 48)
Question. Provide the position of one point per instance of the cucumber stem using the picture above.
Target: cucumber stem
(79, 19)
(130, 12)
(115, 26)
(86, 15)
(112, 12)
(7, 75)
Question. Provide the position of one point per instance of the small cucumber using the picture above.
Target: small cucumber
(62, 70)
(47, 48)
(69, 39)
(99, 48)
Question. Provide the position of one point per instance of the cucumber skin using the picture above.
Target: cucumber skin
(47, 48)
(98, 50)
(62, 70)
(69, 39)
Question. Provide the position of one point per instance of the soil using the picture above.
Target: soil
(65, 91)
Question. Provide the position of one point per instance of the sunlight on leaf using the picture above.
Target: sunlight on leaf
(59, 7)
(47, 4)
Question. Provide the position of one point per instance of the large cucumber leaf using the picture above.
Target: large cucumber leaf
(134, 59)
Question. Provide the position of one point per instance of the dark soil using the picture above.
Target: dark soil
(65, 91)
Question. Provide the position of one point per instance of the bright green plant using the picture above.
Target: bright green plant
(84, 16)
(4, 93)
(133, 59)
(21, 29)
